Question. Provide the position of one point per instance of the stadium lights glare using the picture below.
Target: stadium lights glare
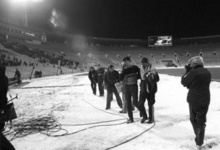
(24, 1)
(37, 0)
(24, 4)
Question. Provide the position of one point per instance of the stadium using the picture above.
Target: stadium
(54, 104)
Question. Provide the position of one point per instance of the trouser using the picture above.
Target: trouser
(198, 121)
(110, 91)
(124, 106)
(131, 91)
(151, 100)
(101, 88)
(93, 86)
(4, 143)
(142, 99)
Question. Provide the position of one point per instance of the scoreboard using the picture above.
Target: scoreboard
(157, 41)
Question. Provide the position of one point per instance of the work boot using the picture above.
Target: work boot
(143, 120)
(130, 121)
(122, 112)
(150, 122)
(200, 135)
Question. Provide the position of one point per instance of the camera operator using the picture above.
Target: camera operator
(4, 143)
(197, 79)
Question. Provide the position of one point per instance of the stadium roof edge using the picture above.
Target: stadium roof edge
(114, 39)
(200, 37)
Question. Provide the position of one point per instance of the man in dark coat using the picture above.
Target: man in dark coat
(132, 74)
(93, 79)
(4, 143)
(112, 77)
(197, 79)
(100, 79)
(148, 89)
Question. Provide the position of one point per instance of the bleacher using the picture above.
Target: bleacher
(89, 51)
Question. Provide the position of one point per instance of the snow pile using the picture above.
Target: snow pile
(69, 100)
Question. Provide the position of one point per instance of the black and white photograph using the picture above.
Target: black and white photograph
(109, 75)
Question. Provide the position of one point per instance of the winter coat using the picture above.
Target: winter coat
(3, 88)
(111, 78)
(197, 80)
(132, 74)
(151, 79)
(100, 75)
(93, 76)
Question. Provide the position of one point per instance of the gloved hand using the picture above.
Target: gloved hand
(188, 68)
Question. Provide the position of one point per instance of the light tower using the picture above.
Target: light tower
(24, 5)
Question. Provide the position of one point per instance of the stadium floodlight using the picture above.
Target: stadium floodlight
(37, 0)
(18, 1)
(24, 1)
(24, 4)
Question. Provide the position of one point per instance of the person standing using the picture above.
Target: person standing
(17, 76)
(112, 77)
(197, 79)
(93, 79)
(4, 143)
(100, 79)
(148, 89)
(124, 106)
(132, 74)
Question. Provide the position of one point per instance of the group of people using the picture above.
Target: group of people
(128, 79)
(196, 78)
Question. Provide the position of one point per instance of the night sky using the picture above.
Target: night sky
(136, 19)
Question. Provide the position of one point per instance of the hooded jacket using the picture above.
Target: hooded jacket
(3, 87)
(197, 80)
(150, 77)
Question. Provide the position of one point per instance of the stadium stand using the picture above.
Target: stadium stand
(24, 48)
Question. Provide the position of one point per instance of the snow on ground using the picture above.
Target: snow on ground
(70, 100)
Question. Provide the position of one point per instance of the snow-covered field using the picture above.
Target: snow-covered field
(70, 101)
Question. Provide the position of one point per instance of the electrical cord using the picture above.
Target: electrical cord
(104, 110)
(84, 124)
(125, 117)
(52, 86)
(135, 137)
(50, 127)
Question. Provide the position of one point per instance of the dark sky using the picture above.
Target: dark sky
(136, 18)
